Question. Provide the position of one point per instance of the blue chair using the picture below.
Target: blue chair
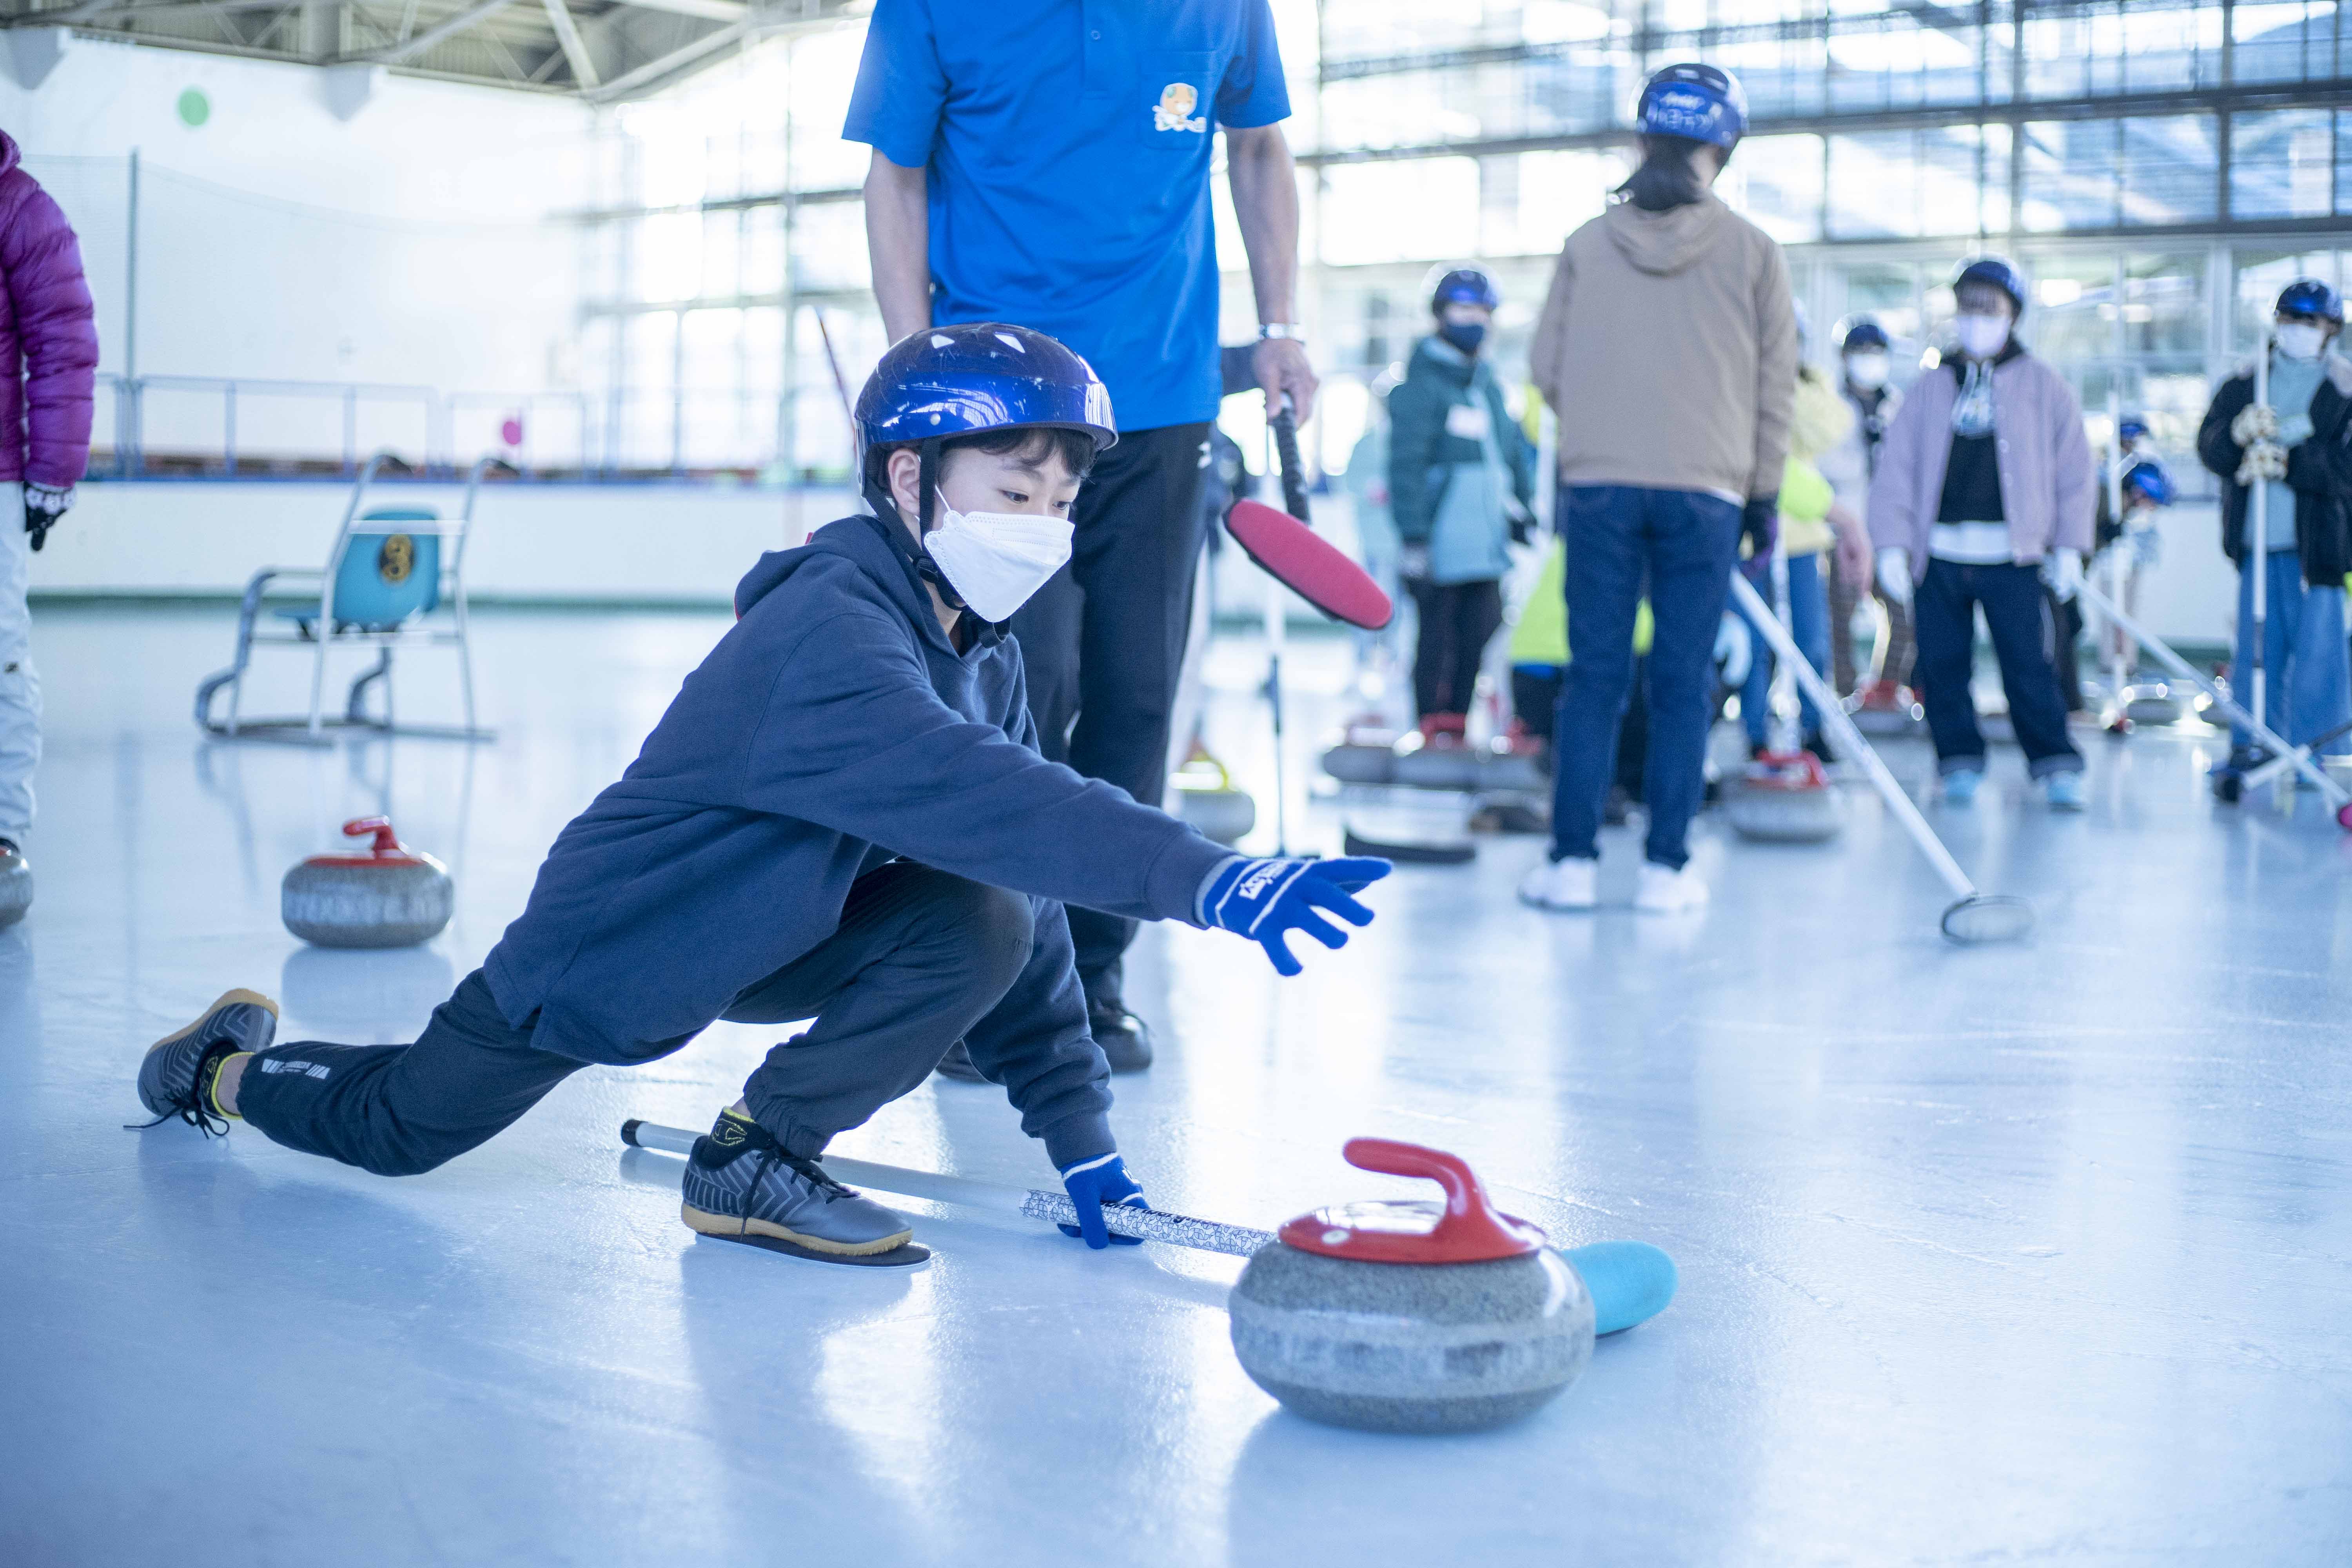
(392, 570)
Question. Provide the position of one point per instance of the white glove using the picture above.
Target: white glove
(2294, 430)
(2061, 573)
(1735, 654)
(1894, 574)
(2264, 460)
(2255, 422)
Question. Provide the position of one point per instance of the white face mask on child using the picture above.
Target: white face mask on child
(1866, 371)
(1981, 336)
(2301, 339)
(995, 560)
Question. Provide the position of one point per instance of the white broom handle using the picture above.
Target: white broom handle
(2258, 555)
(2116, 550)
(2181, 666)
(960, 1192)
(1850, 740)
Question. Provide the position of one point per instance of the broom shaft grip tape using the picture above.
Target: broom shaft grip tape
(1833, 714)
(961, 1192)
(1294, 475)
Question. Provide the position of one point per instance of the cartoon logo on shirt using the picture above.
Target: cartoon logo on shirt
(1174, 112)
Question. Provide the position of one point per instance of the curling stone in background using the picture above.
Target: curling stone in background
(15, 887)
(1885, 708)
(1443, 761)
(1412, 1317)
(1363, 755)
(2151, 705)
(1784, 797)
(1206, 798)
(386, 895)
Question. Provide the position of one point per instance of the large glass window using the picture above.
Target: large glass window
(2282, 163)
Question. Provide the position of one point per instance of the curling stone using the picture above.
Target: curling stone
(15, 887)
(1503, 769)
(1424, 766)
(2152, 705)
(1784, 797)
(1412, 1317)
(1886, 708)
(386, 895)
(1362, 754)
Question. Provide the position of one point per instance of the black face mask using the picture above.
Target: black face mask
(1463, 335)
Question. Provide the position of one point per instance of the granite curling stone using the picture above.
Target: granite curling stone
(16, 886)
(1784, 797)
(1412, 1317)
(386, 895)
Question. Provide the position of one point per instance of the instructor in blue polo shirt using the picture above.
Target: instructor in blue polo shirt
(1047, 162)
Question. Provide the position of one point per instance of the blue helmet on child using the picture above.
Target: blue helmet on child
(2310, 296)
(1464, 286)
(2131, 427)
(2146, 476)
(979, 376)
(1702, 102)
(1996, 271)
(1860, 333)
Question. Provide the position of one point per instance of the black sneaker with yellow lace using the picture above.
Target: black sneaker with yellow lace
(177, 1077)
(741, 1186)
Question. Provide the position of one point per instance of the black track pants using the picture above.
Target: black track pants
(920, 958)
(1103, 640)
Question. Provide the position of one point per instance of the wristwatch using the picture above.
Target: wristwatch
(1289, 332)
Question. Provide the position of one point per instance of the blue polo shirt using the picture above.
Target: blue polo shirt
(1068, 145)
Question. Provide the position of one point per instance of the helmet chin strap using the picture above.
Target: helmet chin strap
(927, 482)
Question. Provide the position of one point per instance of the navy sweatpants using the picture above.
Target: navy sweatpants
(920, 958)
(2025, 637)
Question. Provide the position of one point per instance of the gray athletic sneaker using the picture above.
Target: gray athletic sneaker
(741, 1186)
(176, 1078)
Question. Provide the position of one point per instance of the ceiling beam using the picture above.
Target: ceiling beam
(395, 54)
(676, 59)
(707, 10)
(584, 70)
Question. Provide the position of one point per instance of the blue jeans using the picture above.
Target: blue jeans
(1677, 545)
(1809, 618)
(2025, 637)
(2306, 672)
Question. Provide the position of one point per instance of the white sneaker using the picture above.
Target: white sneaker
(1560, 884)
(1666, 891)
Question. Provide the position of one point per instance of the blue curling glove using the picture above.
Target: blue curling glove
(1262, 898)
(1094, 1183)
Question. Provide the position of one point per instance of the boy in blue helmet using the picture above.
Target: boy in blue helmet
(843, 815)
(2292, 447)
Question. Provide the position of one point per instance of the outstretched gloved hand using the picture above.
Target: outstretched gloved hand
(1735, 652)
(2062, 573)
(1261, 900)
(2255, 422)
(1760, 525)
(1894, 574)
(45, 508)
(1092, 1184)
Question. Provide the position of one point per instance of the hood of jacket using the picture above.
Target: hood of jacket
(1441, 358)
(1663, 243)
(863, 540)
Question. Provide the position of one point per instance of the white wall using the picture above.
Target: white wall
(617, 544)
(407, 243)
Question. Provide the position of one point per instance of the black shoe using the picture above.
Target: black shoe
(957, 1065)
(1125, 1039)
(16, 883)
(176, 1078)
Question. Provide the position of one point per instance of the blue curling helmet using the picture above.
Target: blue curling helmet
(2146, 476)
(1863, 332)
(2131, 427)
(2310, 296)
(1464, 286)
(1996, 271)
(979, 376)
(1702, 102)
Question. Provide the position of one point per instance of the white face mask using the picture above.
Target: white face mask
(995, 560)
(1867, 372)
(1981, 336)
(2301, 340)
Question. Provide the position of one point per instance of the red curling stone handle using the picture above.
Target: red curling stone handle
(387, 842)
(1471, 1226)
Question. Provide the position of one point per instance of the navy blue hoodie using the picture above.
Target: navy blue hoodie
(833, 727)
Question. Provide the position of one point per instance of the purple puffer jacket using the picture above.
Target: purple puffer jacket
(48, 327)
(2049, 485)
